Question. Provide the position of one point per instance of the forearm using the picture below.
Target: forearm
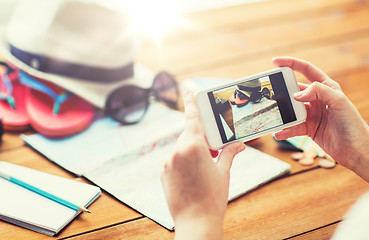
(360, 156)
(362, 167)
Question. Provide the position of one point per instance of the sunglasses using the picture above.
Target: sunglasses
(129, 104)
(256, 97)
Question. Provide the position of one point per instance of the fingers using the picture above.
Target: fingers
(228, 153)
(318, 91)
(303, 86)
(299, 130)
(193, 121)
(311, 72)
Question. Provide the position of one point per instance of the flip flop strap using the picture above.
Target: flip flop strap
(34, 84)
(9, 87)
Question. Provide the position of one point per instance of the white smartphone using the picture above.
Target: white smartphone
(250, 107)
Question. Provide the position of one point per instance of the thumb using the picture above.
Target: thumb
(228, 153)
(317, 91)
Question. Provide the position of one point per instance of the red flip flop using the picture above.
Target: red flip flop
(54, 112)
(13, 112)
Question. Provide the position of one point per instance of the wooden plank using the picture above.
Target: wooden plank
(106, 211)
(281, 209)
(337, 57)
(294, 205)
(323, 233)
(354, 85)
(205, 49)
(138, 229)
(150, 231)
(265, 11)
(10, 141)
(249, 15)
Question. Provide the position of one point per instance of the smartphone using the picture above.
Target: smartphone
(250, 107)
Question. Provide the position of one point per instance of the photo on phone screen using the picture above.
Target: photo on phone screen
(251, 107)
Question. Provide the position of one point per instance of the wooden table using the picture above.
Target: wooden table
(234, 42)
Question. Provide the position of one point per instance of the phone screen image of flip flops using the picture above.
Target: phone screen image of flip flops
(251, 107)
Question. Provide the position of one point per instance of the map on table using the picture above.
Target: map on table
(256, 117)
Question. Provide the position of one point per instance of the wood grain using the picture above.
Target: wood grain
(283, 208)
(234, 42)
(215, 48)
(246, 16)
(302, 202)
(10, 141)
(322, 233)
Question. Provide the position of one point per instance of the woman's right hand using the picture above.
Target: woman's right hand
(332, 121)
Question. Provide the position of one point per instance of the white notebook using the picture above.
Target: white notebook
(33, 211)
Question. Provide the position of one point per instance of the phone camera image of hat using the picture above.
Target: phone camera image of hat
(253, 90)
(74, 47)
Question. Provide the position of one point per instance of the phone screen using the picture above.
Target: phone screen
(251, 107)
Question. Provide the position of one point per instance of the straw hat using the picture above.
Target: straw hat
(249, 87)
(85, 47)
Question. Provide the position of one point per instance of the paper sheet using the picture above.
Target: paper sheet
(127, 160)
(135, 178)
(106, 138)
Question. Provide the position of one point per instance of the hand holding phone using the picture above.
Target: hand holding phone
(250, 107)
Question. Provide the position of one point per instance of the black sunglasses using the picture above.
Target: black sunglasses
(257, 96)
(129, 104)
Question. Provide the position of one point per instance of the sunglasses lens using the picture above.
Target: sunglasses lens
(266, 93)
(255, 97)
(127, 104)
(165, 87)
